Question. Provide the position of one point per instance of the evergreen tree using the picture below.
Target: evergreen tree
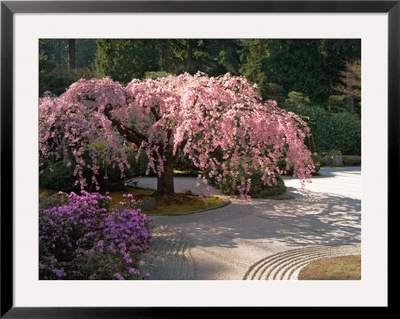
(296, 64)
(124, 60)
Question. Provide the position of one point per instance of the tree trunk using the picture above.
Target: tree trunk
(71, 54)
(189, 61)
(165, 182)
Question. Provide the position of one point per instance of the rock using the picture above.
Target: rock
(148, 203)
(186, 191)
(130, 183)
(352, 160)
(333, 158)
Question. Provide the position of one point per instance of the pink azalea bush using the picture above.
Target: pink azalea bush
(172, 117)
(83, 239)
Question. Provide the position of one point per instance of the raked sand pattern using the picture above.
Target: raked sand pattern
(263, 239)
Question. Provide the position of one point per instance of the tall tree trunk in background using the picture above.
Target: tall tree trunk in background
(189, 61)
(71, 54)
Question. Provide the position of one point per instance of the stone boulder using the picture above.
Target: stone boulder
(333, 158)
(186, 191)
(148, 203)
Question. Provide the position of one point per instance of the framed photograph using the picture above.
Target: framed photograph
(36, 35)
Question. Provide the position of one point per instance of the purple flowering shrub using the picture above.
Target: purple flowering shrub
(82, 238)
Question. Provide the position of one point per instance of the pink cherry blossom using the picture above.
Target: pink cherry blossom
(195, 116)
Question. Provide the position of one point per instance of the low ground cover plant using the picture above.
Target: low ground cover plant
(334, 268)
(83, 237)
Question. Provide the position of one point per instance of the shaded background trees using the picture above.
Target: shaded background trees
(310, 66)
(317, 68)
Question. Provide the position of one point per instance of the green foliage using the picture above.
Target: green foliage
(54, 73)
(322, 127)
(336, 103)
(123, 60)
(340, 131)
(56, 80)
(282, 164)
(156, 74)
(85, 53)
(216, 56)
(317, 159)
(211, 56)
(45, 65)
(333, 158)
(296, 99)
(56, 52)
(348, 135)
(57, 176)
(184, 164)
(139, 166)
(278, 66)
(297, 65)
(311, 66)
(273, 91)
(351, 160)
(257, 189)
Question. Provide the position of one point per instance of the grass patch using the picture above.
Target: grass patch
(181, 173)
(335, 268)
(44, 192)
(137, 193)
(179, 204)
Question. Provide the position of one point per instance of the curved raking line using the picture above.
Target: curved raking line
(286, 265)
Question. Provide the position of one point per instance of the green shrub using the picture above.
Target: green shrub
(333, 158)
(56, 80)
(156, 74)
(340, 131)
(351, 160)
(336, 103)
(317, 159)
(185, 164)
(139, 166)
(348, 135)
(296, 99)
(322, 127)
(257, 189)
(273, 91)
(57, 176)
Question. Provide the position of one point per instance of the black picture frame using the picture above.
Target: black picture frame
(8, 8)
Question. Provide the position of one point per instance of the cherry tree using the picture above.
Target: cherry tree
(186, 115)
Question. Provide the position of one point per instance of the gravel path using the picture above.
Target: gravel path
(263, 239)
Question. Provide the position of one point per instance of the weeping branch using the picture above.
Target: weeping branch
(131, 134)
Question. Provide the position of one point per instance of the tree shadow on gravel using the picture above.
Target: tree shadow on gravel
(309, 219)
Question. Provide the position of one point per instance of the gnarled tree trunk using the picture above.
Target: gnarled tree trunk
(165, 181)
